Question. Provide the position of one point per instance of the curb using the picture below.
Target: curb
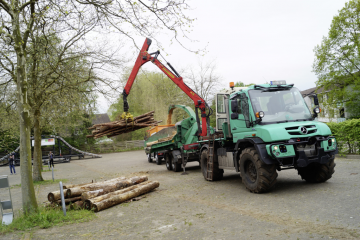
(348, 156)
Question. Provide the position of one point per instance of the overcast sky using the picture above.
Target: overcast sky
(255, 41)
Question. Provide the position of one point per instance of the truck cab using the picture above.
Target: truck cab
(268, 128)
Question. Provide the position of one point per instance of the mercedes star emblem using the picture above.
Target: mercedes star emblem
(303, 130)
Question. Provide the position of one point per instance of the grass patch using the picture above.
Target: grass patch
(46, 218)
(45, 182)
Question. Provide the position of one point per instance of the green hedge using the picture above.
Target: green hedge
(347, 135)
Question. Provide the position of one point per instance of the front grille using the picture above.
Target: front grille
(297, 130)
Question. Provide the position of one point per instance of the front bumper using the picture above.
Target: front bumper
(322, 157)
(295, 156)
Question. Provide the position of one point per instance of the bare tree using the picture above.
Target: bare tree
(204, 79)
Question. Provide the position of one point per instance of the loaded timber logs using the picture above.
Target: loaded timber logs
(121, 126)
(107, 186)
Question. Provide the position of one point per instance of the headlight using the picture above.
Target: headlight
(276, 148)
(333, 140)
(317, 110)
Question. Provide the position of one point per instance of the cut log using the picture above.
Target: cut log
(116, 199)
(91, 194)
(69, 200)
(54, 196)
(77, 205)
(89, 202)
(108, 186)
(67, 186)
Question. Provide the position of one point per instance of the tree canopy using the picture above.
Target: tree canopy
(337, 58)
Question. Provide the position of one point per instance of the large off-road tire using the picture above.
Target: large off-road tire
(217, 174)
(149, 158)
(157, 159)
(257, 176)
(317, 173)
(175, 166)
(168, 162)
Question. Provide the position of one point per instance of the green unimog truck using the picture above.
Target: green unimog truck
(260, 130)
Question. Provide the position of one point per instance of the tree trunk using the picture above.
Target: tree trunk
(90, 201)
(116, 199)
(27, 187)
(107, 186)
(37, 160)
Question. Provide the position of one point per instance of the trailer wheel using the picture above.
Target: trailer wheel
(176, 167)
(157, 159)
(317, 173)
(149, 158)
(168, 162)
(217, 174)
(257, 176)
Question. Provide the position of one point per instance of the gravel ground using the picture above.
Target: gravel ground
(188, 207)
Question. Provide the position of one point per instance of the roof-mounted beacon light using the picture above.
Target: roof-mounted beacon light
(232, 85)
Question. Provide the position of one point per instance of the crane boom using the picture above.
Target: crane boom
(145, 57)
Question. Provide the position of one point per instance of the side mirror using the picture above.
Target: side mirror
(316, 100)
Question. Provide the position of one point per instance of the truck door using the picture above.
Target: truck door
(220, 111)
(239, 117)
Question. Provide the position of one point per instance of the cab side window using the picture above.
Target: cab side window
(220, 103)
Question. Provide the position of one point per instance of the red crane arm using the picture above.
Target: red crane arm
(145, 57)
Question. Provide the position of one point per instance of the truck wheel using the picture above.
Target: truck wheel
(168, 162)
(257, 176)
(317, 173)
(217, 174)
(157, 159)
(149, 158)
(176, 167)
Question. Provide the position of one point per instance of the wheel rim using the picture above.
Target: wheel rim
(167, 163)
(250, 171)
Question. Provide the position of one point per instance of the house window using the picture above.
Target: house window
(342, 113)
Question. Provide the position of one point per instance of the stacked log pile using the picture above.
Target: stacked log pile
(102, 195)
(121, 126)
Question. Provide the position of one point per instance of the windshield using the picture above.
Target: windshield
(280, 106)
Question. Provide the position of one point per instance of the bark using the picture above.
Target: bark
(69, 200)
(37, 160)
(74, 185)
(107, 186)
(120, 198)
(27, 187)
(91, 194)
(89, 202)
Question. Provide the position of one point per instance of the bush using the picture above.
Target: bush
(347, 135)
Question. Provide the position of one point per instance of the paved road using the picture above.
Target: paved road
(188, 207)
